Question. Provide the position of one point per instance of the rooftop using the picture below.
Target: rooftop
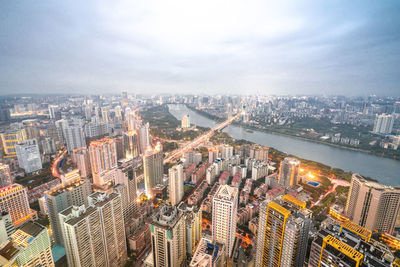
(98, 200)
(167, 216)
(226, 192)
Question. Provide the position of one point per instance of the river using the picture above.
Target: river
(385, 170)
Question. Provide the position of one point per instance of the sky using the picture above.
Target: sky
(210, 46)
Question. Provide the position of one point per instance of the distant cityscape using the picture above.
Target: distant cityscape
(122, 180)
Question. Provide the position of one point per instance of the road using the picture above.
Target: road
(54, 167)
(201, 139)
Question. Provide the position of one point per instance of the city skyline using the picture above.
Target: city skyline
(244, 48)
(206, 133)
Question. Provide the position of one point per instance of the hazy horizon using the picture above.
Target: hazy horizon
(211, 47)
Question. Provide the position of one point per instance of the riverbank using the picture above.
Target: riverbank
(272, 131)
(385, 170)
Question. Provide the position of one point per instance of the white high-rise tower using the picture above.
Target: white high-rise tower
(224, 217)
(176, 184)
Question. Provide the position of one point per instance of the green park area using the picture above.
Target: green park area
(164, 125)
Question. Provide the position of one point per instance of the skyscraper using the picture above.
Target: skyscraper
(224, 217)
(131, 144)
(75, 137)
(54, 112)
(62, 197)
(82, 160)
(383, 124)
(168, 237)
(372, 205)
(29, 246)
(103, 158)
(5, 175)
(175, 184)
(95, 236)
(144, 137)
(29, 156)
(193, 224)
(125, 185)
(6, 226)
(288, 172)
(61, 125)
(282, 233)
(48, 146)
(124, 99)
(130, 120)
(14, 200)
(153, 167)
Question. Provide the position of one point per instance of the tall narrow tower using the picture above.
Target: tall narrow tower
(282, 233)
(288, 172)
(176, 184)
(224, 217)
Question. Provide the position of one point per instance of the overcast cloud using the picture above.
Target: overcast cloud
(208, 46)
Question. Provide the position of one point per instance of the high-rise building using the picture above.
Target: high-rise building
(120, 144)
(52, 133)
(104, 115)
(224, 217)
(75, 192)
(95, 129)
(130, 120)
(208, 254)
(54, 112)
(118, 113)
(283, 229)
(175, 184)
(29, 156)
(48, 146)
(103, 158)
(226, 151)
(383, 124)
(61, 125)
(74, 137)
(347, 246)
(95, 236)
(88, 112)
(289, 171)
(5, 175)
(212, 154)
(372, 205)
(259, 153)
(82, 160)
(131, 144)
(125, 182)
(6, 226)
(10, 139)
(124, 99)
(14, 200)
(193, 223)
(153, 167)
(185, 122)
(144, 137)
(29, 246)
(32, 131)
(168, 237)
(5, 115)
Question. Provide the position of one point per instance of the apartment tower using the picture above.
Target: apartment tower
(176, 184)
(372, 205)
(224, 217)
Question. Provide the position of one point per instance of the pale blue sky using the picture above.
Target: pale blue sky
(209, 46)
